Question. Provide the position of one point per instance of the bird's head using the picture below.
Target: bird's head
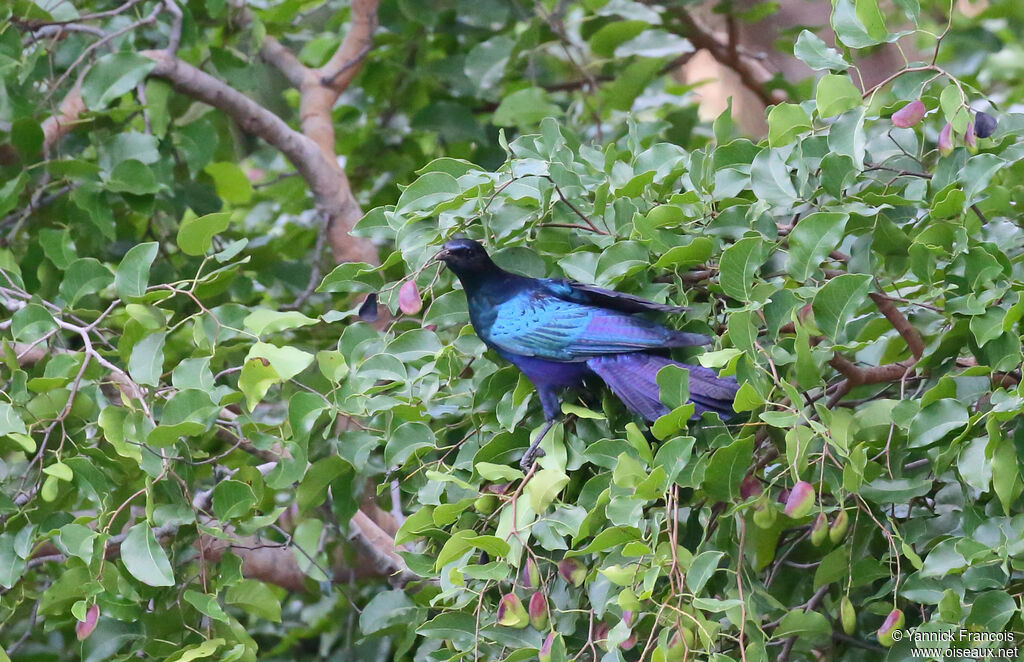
(464, 256)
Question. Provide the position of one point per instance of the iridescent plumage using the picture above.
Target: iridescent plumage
(558, 332)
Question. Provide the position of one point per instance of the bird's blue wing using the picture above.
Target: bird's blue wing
(598, 296)
(535, 323)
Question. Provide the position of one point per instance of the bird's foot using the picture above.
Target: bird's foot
(532, 454)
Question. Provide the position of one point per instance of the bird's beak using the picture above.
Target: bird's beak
(441, 255)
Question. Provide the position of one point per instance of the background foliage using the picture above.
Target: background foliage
(203, 458)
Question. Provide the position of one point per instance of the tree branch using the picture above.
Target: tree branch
(900, 323)
(754, 75)
(71, 106)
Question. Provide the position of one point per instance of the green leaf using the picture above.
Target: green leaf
(818, 55)
(545, 485)
(426, 193)
(701, 569)
(809, 625)
(31, 323)
(264, 320)
(813, 238)
(770, 179)
(835, 94)
(133, 176)
(132, 275)
(738, 265)
(146, 363)
(837, 301)
(387, 609)
(991, 611)
(198, 652)
(112, 75)
(144, 558)
(231, 183)
(785, 122)
(85, 276)
(11, 421)
(935, 421)
(255, 598)
(195, 234)
(727, 468)
(312, 491)
(206, 604)
(696, 250)
(848, 26)
(525, 108)
(255, 379)
(871, 18)
(232, 499)
(286, 361)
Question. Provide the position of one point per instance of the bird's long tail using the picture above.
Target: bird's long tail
(633, 378)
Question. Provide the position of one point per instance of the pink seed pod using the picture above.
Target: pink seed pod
(909, 115)
(544, 654)
(894, 621)
(84, 628)
(946, 140)
(538, 611)
(601, 635)
(750, 487)
(572, 571)
(409, 300)
(819, 530)
(839, 526)
(530, 574)
(511, 612)
(970, 139)
(801, 500)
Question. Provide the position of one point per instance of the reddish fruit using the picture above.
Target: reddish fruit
(819, 531)
(601, 635)
(839, 526)
(801, 500)
(946, 140)
(544, 654)
(894, 621)
(511, 612)
(909, 115)
(538, 611)
(627, 617)
(409, 300)
(84, 628)
(750, 487)
(969, 138)
(572, 571)
(530, 574)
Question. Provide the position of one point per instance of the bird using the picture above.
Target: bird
(559, 332)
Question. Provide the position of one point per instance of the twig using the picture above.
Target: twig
(176, 20)
(787, 648)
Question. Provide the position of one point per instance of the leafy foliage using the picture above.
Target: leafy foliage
(186, 458)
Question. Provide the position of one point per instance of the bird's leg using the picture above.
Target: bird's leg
(535, 451)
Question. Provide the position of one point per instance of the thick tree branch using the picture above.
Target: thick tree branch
(900, 323)
(285, 61)
(754, 75)
(344, 64)
(57, 126)
(317, 165)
